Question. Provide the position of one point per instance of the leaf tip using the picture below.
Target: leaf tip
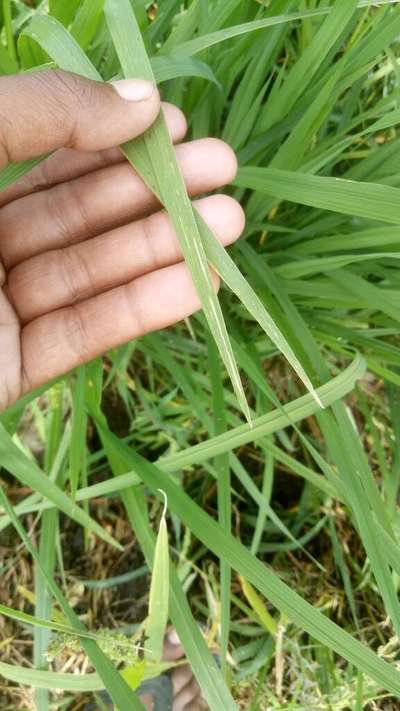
(164, 513)
(317, 399)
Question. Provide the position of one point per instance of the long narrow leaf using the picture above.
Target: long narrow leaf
(156, 145)
(118, 689)
(68, 55)
(368, 200)
(269, 423)
(205, 41)
(261, 576)
(29, 474)
(159, 595)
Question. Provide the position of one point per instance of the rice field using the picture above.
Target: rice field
(236, 475)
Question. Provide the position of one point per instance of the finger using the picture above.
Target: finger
(173, 649)
(10, 365)
(180, 678)
(67, 163)
(55, 343)
(64, 277)
(186, 696)
(198, 704)
(101, 201)
(43, 111)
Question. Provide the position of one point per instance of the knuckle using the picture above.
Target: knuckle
(58, 212)
(71, 86)
(50, 88)
(75, 274)
(84, 224)
(53, 100)
(66, 207)
(39, 178)
(69, 100)
(69, 94)
(134, 308)
(76, 336)
(152, 225)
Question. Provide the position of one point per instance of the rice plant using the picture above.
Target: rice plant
(270, 543)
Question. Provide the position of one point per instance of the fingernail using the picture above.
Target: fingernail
(134, 89)
(173, 638)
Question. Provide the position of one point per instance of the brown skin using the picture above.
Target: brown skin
(87, 259)
(186, 692)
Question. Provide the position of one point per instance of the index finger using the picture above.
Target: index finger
(67, 164)
(43, 111)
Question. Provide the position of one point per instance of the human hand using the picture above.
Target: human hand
(87, 259)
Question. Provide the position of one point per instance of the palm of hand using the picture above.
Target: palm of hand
(88, 261)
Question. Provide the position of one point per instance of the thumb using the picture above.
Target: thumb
(43, 111)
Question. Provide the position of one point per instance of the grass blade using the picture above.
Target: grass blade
(259, 607)
(28, 473)
(262, 577)
(63, 11)
(200, 658)
(232, 276)
(118, 689)
(157, 146)
(48, 541)
(369, 200)
(68, 55)
(223, 474)
(77, 452)
(167, 68)
(302, 73)
(159, 594)
(269, 423)
(7, 15)
(205, 41)
(263, 426)
(80, 683)
(86, 21)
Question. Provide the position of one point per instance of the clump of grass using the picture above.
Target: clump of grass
(309, 99)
